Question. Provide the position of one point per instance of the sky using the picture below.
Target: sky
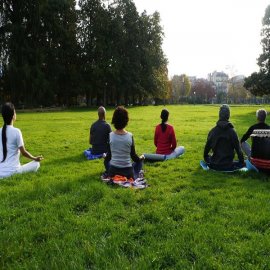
(202, 36)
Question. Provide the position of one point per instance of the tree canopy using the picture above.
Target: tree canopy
(258, 83)
(54, 51)
(180, 88)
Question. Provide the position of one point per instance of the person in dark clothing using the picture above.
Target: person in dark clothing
(261, 116)
(99, 134)
(223, 141)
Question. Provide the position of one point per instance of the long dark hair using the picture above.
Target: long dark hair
(164, 118)
(8, 111)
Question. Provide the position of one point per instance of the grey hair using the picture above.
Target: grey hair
(101, 112)
(261, 115)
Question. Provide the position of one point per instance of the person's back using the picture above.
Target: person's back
(165, 141)
(122, 149)
(120, 145)
(14, 141)
(260, 144)
(260, 125)
(12, 145)
(223, 140)
(99, 134)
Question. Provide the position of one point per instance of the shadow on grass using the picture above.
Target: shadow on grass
(51, 188)
(78, 158)
(249, 180)
(153, 163)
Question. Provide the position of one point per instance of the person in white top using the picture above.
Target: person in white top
(11, 145)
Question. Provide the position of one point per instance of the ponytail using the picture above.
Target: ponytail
(8, 111)
(163, 126)
(164, 117)
(4, 141)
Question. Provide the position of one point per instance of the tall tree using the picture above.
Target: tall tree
(259, 83)
(180, 87)
(59, 47)
(162, 85)
(20, 56)
(202, 91)
(38, 47)
(153, 57)
(237, 93)
(94, 40)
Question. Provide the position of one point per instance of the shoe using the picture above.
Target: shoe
(105, 177)
(141, 174)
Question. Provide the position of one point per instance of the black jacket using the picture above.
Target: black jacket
(250, 130)
(222, 140)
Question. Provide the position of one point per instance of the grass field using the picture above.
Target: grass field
(64, 217)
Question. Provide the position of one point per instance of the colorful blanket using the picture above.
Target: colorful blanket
(139, 183)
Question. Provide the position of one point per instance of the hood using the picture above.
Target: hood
(223, 124)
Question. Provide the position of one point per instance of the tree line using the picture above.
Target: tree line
(54, 51)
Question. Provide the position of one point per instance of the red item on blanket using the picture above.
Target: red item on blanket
(120, 178)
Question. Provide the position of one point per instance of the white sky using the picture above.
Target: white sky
(202, 36)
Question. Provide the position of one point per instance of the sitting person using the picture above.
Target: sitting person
(99, 136)
(165, 140)
(122, 148)
(260, 150)
(223, 140)
(12, 145)
(261, 116)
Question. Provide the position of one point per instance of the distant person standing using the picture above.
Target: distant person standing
(12, 145)
(261, 116)
(99, 134)
(223, 141)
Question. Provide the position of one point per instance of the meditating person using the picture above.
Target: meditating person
(165, 140)
(223, 141)
(12, 145)
(99, 134)
(261, 116)
(122, 148)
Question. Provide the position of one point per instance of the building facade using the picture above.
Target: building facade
(220, 80)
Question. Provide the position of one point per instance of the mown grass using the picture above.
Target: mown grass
(64, 217)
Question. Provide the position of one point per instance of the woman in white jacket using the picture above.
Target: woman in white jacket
(12, 145)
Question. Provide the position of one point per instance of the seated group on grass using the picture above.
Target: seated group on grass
(118, 147)
(223, 141)
(121, 148)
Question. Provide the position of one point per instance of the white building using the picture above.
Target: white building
(220, 79)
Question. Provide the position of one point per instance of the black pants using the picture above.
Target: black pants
(235, 166)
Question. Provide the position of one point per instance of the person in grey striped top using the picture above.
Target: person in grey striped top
(118, 160)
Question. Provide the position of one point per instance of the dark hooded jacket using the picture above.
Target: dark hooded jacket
(222, 140)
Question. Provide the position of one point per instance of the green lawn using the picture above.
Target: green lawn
(64, 217)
